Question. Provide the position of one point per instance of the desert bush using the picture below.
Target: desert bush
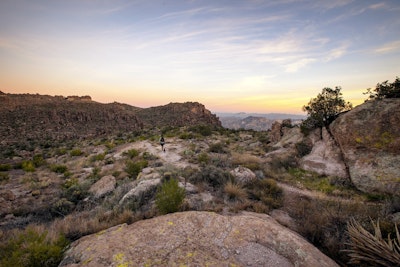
(235, 192)
(133, 168)
(32, 247)
(5, 167)
(62, 207)
(186, 136)
(28, 166)
(267, 191)
(4, 177)
(75, 191)
(38, 160)
(372, 249)
(132, 153)
(204, 130)
(76, 152)
(217, 148)
(170, 196)
(212, 176)
(203, 158)
(58, 168)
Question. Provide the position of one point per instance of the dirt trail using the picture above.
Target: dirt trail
(171, 155)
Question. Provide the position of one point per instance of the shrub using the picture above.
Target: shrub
(204, 130)
(203, 158)
(58, 168)
(132, 153)
(134, 168)
(4, 177)
(33, 247)
(385, 90)
(170, 196)
(235, 191)
(211, 175)
(76, 152)
(5, 167)
(38, 160)
(372, 250)
(267, 191)
(217, 148)
(28, 166)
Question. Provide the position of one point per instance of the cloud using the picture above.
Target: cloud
(297, 65)
(388, 47)
(335, 53)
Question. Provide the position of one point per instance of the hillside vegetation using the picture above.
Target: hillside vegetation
(55, 192)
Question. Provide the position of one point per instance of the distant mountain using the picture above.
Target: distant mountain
(25, 117)
(255, 121)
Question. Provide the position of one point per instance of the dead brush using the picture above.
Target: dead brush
(372, 249)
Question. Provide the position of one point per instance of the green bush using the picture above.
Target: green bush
(76, 152)
(28, 166)
(32, 248)
(133, 168)
(57, 168)
(132, 153)
(170, 196)
(5, 167)
(203, 158)
(38, 160)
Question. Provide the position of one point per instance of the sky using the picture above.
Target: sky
(232, 56)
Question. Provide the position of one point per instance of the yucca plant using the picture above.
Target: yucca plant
(373, 250)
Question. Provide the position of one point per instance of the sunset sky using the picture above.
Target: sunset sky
(231, 56)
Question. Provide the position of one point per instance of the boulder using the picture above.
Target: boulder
(325, 157)
(196, 239)
(103, 186)
(369, 137)
(243, 175)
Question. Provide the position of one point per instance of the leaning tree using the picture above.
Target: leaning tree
(324, 108)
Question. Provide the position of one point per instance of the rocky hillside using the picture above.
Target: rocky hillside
(255, 121)
(25, 117)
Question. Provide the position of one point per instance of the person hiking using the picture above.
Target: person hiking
(162, 143)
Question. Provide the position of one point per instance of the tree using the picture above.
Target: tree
(324, 108)
(385, 90)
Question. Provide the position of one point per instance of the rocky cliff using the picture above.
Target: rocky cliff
(25, 117)
(197, 239)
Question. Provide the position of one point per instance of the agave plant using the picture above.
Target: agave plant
(370, 249)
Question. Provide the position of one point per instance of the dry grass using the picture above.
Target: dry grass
(235, 192)
(372, 249)
(247, 160)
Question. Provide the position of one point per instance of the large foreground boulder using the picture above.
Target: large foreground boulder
(197, 239)
(369, 137)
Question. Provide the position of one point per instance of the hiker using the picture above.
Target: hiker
(162, 142)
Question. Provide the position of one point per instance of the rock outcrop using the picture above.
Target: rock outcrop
(178, 114)
(325, 157)
(369, 137)
(103, 186)
(196, 239)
